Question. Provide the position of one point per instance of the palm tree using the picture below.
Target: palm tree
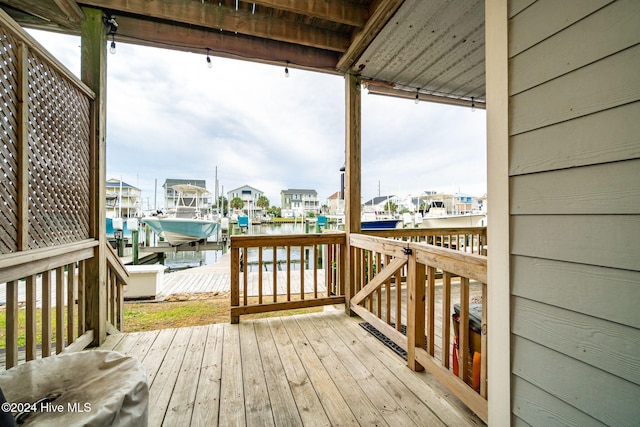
(236, 203)
(262, 202)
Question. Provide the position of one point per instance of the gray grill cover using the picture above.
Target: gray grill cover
(112, 386)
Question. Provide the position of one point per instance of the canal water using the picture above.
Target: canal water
(181, 260)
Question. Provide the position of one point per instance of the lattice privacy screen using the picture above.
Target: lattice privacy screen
(9, 148)
(58, 154)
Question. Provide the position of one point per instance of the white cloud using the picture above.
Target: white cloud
(169, 116)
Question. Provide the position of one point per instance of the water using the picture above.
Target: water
(182, 260)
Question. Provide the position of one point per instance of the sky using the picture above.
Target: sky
(169, 116)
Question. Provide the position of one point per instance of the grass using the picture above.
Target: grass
(146, 316)
(149, 316)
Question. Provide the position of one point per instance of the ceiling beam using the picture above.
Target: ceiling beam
(340, 11)
(229, 45)
(71, 9)
(65, 13)
(380, 13)
(381, 88)
(215, 17)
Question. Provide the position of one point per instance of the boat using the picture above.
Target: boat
(376, 224)
(439, 217)
(186, 223)
(373, 221)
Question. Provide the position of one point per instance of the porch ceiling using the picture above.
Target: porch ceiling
(398, 47)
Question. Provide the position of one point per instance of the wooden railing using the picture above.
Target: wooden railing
(58, 269)
(468, 239)
(117, 279)
(406, 291)
(270, 273)
(52, 281)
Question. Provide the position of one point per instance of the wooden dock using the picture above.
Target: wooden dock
(216, 277)
(315, 369)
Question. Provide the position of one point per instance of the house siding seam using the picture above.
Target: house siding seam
(575, 212)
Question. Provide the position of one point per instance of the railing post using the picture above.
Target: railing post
(235, 280)
(353, 175)
(415, 310)
(94, 74)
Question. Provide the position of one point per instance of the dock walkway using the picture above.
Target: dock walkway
(216, 277)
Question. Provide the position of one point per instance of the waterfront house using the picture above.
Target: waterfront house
(379, 204)
(249, 196)
(123, 199)
(171, 197)
(335, 203)
(561, 87)
(297, 202)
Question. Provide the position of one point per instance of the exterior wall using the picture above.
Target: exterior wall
(574, 178)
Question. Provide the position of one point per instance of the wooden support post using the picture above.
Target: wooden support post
(415, 311)
(71, 274)
(134, 246)
(120, 243)
(431, 307)
(353, 128)
(235, 282)
(31, 318)
(46, 314)
(12, 325)
(94, 75)
(59, 309)
(147, 236)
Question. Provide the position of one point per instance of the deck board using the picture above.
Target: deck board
(257, 404)
(164, 382)
(283, 405)
(452, 412)
(207, 399)
(183, 396)
(232, 387)
(357, 363)
(309, 407)
(317, 369)
(333, 402)
(353, 390)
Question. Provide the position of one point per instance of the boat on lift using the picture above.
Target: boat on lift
(185, 223)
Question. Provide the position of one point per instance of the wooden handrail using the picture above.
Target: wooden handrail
(463, 264)
(17, 265)
(423, 232)
(287, 240)
(466, 239)
(116, 264)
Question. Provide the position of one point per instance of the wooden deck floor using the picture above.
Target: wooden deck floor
(315, 369)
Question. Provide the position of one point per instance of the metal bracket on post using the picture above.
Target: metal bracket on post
(407, 251)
